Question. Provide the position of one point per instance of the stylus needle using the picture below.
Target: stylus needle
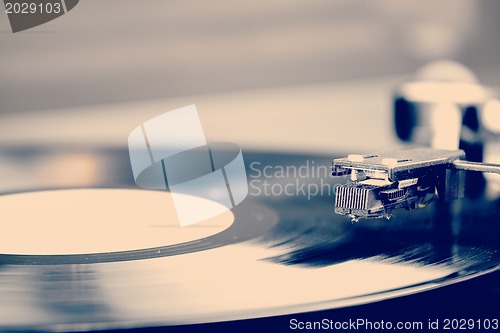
(476, 166)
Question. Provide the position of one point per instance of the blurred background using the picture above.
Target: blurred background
(115, 51)
(294, 78)
(314, 77)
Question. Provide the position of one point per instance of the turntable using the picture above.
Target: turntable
(82, 248)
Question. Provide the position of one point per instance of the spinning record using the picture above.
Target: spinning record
(281, 251)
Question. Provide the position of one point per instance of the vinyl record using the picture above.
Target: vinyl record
(281, 251)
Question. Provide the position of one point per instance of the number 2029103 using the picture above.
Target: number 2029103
(33, 8)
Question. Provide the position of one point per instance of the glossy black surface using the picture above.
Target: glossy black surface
(463, 236)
